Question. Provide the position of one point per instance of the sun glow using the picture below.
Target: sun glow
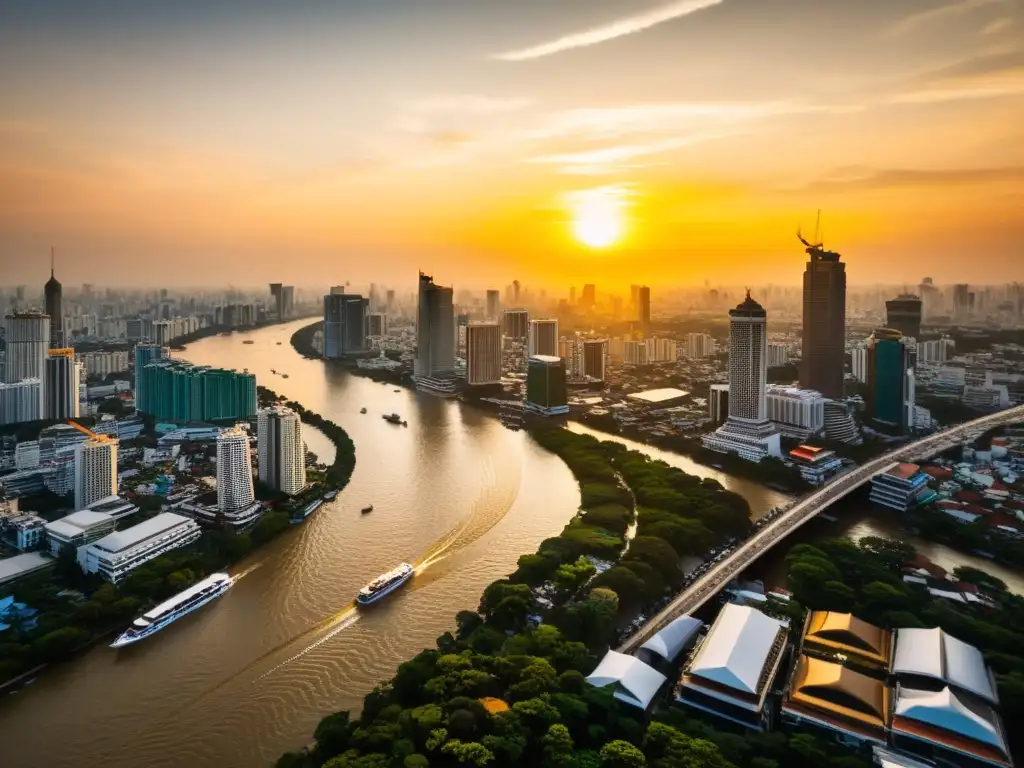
(598, 216)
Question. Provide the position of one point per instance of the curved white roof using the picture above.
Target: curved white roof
(671, 640)
(936, 654)
(736, 650)
(635, 682)
(943, 710)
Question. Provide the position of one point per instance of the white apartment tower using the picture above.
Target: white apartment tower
(234, 471)
(280, 451)
(699, 345)
(95, 470)
(483, 353)
(28, 339)
(543, 338)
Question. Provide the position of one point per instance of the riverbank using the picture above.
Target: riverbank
(70, 624)
(226, 330)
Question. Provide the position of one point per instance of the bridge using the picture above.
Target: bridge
(730, 567)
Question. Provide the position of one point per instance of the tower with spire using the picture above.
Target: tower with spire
(54, 306)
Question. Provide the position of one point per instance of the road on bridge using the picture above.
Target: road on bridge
(709, 584)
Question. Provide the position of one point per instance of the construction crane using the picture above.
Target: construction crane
(87, 431)
(819, 240)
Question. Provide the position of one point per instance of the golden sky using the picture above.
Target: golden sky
(359, 140)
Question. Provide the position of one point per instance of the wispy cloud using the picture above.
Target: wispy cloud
(607, 156)
(997, 26)
(466, 103)
(618, 28)
(924, 19)
(1009, 82)
(843, 180)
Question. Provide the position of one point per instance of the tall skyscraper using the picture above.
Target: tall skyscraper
(544, 337)
(346, 325)
(747, 431)
(493, 306)
(589, 297)
(483, 353)
(824, 322)
(52, 292)
(961, 301)
(515, 291)
(234, 471)
(516, 324)
(434, 367)
(61, 385)
(643, 306)
(95, 470)
(276, 291)
(28, 339)
(546, 392)
(595, 358)
(21, 401)
(890, 380)
(904, 315)
(280, 451)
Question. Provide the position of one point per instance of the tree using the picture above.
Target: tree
(571, 576)
(59, 644)
(558, 746)
(332, 734)
(626, 584)
(468, 752)
(621, 754)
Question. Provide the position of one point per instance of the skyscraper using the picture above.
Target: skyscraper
(21, 401)
(589, 297)
(546, 392)
(595, 358)
(824, 322)
(904, 315)
(61, 385)
(544, 337)
(28, 338)
(95, 470)
(280, 451)
(234, 471)
(276, 291)
(377, 323)
(747, 432)
(54, 307)
(435, 338)
(643, 306)
(890, 380)
(961, 301)
(346, 325)
(144, 355)
(483, 354)
(493, 306)
(516, 324)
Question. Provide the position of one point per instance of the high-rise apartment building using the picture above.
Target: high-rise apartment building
(935, 352)
(144, 355)
(699, 345)
(493, 306)
(859, 363)
(281, 453)
(961, 301)
(546, 391)
(543, 338)
(718, 404)
(904, 315)
(778, 355)
(795, 412)
(661, 350)
(635, 353)
(824, 322)
(28, 339)
(748, 431)
(434, 368)
(176, 390)
(95, 470)
(377, 322)
(483, 354)
(62, 380)
(52, 293)
(595, 358)
(234, 471)
(890, 380)
(516, 324)
(21, 401)
(346, 325)
(643, 306)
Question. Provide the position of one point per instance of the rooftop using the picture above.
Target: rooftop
(840, 692)
(845, 633)
(20, 565)
(737, 649)
(671, 640)
(932, 653)
(635, 683)
(658, 395)
(546, 359)
(903, 471)
(941, 717)
(129, 537)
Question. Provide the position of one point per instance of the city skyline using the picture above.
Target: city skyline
(280, 142)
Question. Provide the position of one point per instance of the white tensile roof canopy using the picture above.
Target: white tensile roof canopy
(671, 640)
(938, 655)
(737, 648)
(943, 710)
(635, 682)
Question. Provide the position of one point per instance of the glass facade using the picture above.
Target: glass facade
(179, 391)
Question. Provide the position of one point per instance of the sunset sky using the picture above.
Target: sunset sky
(188, 142)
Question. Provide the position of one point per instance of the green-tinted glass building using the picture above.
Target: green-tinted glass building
(546, 392)
(890, 381)
(174, 390)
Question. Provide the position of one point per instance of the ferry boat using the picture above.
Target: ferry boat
(362, 410)
(384, 584)
(392, 418)
(248, 341)
(331, 495)
(306, 511)
(284, 375)
(171, 610)
(366, 510)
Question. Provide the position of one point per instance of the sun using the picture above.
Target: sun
(598, 216)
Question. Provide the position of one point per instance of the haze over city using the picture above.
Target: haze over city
(665, 143)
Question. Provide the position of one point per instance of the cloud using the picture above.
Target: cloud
(917, 21)
(849, 179)
(613, 155)
(619, 28)
(1008, 82)
(997, 26)
(464, 103)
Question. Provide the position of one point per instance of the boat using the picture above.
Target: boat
(392, 418)
(284, 375)
(155, 619)
(362, 410)
(273, 371)
(384, 584)
(279, 343)
(248, 341)
(306, 511)
(331, 495)
(398, 390)
(364, 510)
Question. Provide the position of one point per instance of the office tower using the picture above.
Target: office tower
(903, 314)
(543, 338)
(890, 380)
(634, 297)
(699, 345)
(276, 291)
(435, 338)
(778, 355)
(515, 291)
(144, 355)
(234, 470)
(493, 306)
(643, 307)
(377, 323)
(95, 470)
(21, 401)
(961, 301)
(483, 353)
(390, 300)
(175, 390)
(747, 431)
(718, 404)
(546, 392)
(54, 307)
(797, 413)
(61, 385)
(595, 358)
(138, 329)
(516, 324)
(589, 298)
(824, 322)
(346, 325)
(280, 450)
(859, 364)
(28, 339)
(288, 300)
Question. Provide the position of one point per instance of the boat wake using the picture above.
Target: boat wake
(342, 621)
(239, 576)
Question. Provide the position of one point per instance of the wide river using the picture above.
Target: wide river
(248, 677)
